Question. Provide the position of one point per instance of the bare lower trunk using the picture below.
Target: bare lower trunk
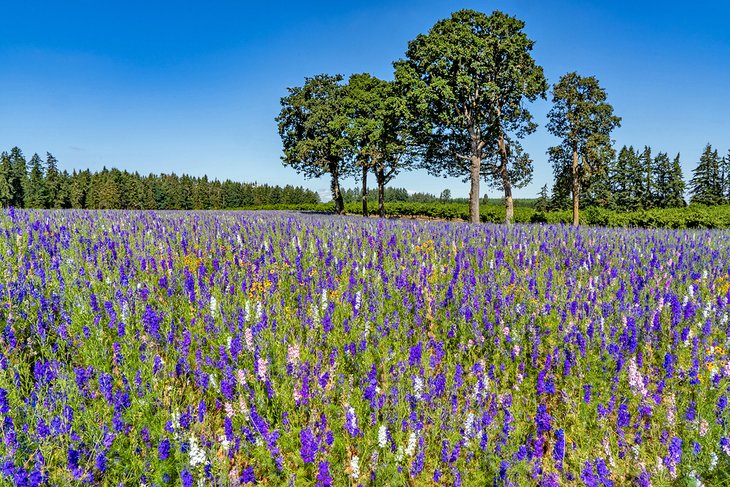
(509, 213)
(576, 189)
(475, 165)
(364, 190)
(335, 187)
(381, 193)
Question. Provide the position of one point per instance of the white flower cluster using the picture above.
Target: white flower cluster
(418, 387)
(411, 447)
(197, 454)
(382, 436)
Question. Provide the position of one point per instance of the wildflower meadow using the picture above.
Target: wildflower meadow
(272, 348)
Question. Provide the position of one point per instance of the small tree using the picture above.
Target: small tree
(543, 199)
(312, 125)
(584, 121)
(466, 81)
(445, 196)
(726, 178)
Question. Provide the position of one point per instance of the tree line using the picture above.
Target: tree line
(38, 183)
(458, 106)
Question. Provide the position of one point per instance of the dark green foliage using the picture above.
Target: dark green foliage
(647, 184)
(112, 188)
(707, 181)
(688, 217)
(626, 180)
(18, 177)
(6, 176)
(725, 171)
(36, 192)
(669, 182)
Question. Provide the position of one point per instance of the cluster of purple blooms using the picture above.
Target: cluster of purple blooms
(225, 348)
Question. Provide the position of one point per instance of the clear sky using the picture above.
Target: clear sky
(193, 87)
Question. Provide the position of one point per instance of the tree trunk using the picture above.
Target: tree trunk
(576, 188)
(380, 176)
(509, 212)
(365, 190)
(509, 208)
(475, 166)
(335, 187)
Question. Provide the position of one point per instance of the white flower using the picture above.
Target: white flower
(411, 448)
(197, 454)
(469, 425)
(382, 436)
(399, 454)
(713, 461)
(213, 305)
(418, 386)
(355, 466)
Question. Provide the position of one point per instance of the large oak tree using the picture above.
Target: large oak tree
(313, 127)
(466, 82)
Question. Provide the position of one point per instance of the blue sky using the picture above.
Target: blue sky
(193, 87)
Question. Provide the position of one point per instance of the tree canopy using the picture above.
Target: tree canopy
(466, 82)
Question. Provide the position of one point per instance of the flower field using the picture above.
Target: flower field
(242, 348)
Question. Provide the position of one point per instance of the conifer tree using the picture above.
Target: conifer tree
(53, 183)
(36, 194)
(648, 190)
(676, 186)
(706, 184)
(669, 183)
(726, 178)
(543, 199)
(18, 177)
(627, 180)
(6, 174)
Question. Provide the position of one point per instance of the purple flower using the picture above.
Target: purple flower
(101, 462)
(163, 450)
(4, 405)
(414, 357)
(323, 475)
(559, 448)
(543, 421)
(603, 473)
(308, 449)
(187, 478)
(624, 417)
(248, 476)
